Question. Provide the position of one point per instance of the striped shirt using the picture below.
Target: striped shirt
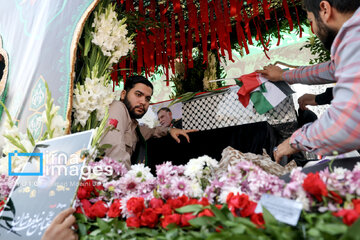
(338, 129)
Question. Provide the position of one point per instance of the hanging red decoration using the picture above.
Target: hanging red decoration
(205, 20)
(287, 14)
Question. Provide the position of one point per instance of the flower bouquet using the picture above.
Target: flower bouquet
(178, 203)
(105, 42)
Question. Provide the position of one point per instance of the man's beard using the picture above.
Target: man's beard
(326, 35)
(131, 109)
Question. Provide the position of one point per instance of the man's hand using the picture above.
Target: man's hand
(284, 149)
(60, 227)
(175, 132)
(272, 72)
(307, 99)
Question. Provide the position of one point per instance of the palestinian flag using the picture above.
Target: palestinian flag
(263, 94)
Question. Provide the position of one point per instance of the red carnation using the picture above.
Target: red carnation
(133, 222)
(166, 209)
(204, 202)
(99, 209)
(149, 218)
(206, 212)
(85, 208)
(337, 198)
(88, 185)
(175, 203)
(135, 205)
(113, 122)
(83, 194)
(185, 218)
(349, 216)
(115, 210)
(237, 201)
(192, 201)
(356, 203)
(156, 203)
(249, 209)
(168, 219)
(258, 219)
(315, 186)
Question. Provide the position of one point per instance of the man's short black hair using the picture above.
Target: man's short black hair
(166, 109)
(343, 6)
(132, 80)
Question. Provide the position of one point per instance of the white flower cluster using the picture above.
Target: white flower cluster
(110, 35)
(198, 167)
(58, 124)
(17, 163)
(95, 94)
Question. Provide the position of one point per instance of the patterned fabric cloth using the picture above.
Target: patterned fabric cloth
(338, 129)
(231, 156)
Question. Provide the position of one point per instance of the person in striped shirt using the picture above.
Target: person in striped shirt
(337, 24)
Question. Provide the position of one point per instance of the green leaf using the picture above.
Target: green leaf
(30, 137)
(313, 232)
(8, 114)
(201, 221)
(95, 232)
(104, 226)
(353, 232)
(172, 234)
(190, 208)
(16, 143)
(218, 213)
(82, 229)
(269, 219)
(80, 217)
(332, 228)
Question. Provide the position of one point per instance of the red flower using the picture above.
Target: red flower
(219, 228)
(349, 216)
(2, 203)
(185, 218)
(237, 201)
(204, 202)
(175, 203)
(249, 209)
(219, 206)
(149, 218)
(192, 201)
(156, 203)
(315, 186)
(115, 210)
(356, 203)
(86, 205)
(206, 212)
(184, 199)
(83, 194)
(88, 185)
(133, 222)
(99, 209)
(168, 219)
(336, 197)
(166, 209)
(113, 122)
(258, 219)
(135, 205)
